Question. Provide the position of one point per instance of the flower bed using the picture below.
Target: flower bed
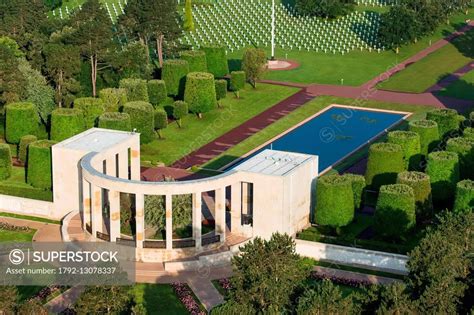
(9, 227)
(48, 293)
(185, 295)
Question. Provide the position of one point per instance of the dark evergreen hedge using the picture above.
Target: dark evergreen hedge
(395, 211)
(141, 119)
(5, 161)
(115, 121)
(39, 173)
(447, 120)
(429, 134)
(196, 59)
(358, 187)
(334, 201)
(443, 169)
(421, 185)
(410, 143)
(23, 146)
(92, 108)
(174, 74)
(157, 92)
(384, 163)
(200, 93)
(464, 196)
(21, 119)
(113, 99)
(216, 60)
(464, 147)
(65, 123)
(137, 89)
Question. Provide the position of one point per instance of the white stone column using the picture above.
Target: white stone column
(86, 204)
(197, 219)
(97, 220)
(114, 200)
(245, 198)
(110, 168)
(169, 221)
(139, 219)
(123, 164)
(219, 213)
(236, 208)
(135, 163)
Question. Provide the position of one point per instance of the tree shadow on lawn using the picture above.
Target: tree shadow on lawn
(463, 43)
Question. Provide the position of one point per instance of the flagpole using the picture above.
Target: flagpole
(273, 30)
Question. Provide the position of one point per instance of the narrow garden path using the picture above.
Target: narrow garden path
(65, 300)
(206, 292)
(45, 232)
(357, 277)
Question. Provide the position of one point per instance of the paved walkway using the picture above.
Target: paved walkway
(354, 276)
(65, 300)
(45, 232)
(206, 292)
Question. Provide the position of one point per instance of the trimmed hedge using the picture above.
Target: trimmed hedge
(174, 74)
(161, 120)
(384, 163)
(443, 169)
(65, 123)
(21, 120)
(395, 211)
(464, 147)
(115, 121)
(141, 119)
(5, 161)
(25, 191)
(200, 92)
(157, 92)
(180, 110)
(237, 81)
(410, 143)
(428, 132)
(447, 120)
(334, 201)
(221, 89)
(113, 99)
(137, 89)
(196, 59)
(468, 133)
(92, 108)
(39, 173)
(216, 60)
(23, 146)
(464, 196)
(358, 186)
(421, 185)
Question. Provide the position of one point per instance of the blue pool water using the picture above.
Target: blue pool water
(335, 133)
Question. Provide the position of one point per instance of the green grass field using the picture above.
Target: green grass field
(158, 299)
(179, 142)
(16, 185)
(463, 88)
(420, 76)
(13, 236)
(27, 217)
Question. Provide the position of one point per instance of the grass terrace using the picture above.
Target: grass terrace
(17, 186)
(462, 88)
(158, 299)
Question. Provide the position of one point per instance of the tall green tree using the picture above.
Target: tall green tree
(323, 8)
(8, 299)
(324, 298)
(103, 300)
(188, 16)
(398, 26)
(12, 82)
(395, 299)
(254, 64)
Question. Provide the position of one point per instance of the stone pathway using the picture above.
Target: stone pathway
(354, 276)
(206, 292)
(45, 232)
(65, 300)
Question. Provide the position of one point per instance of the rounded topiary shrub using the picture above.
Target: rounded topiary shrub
(115, 121)
(464, 147)
(421, 185)
(196, 59)
(161, 120)
(200, 92)
(216, 60)
(428, 132)
(113, 99)
(137, 89)
(384, 163)
(65, 123)
(464, 196)
(468, 133)
(5, 161)
(395, 211)
(334, 201)
(237, 81)
(180, 110)
(157, 92)
(92, 108)
(141, 119)
(447, 120)
(358, 186)
(410, 143)
(21, 119)
(221, 89)
(443, 169)
(174, 74)
(23, 146)
(39, 172)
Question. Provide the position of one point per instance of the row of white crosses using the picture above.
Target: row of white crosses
(239, 23)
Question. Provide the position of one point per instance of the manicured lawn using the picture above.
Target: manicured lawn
(13, 236)
(178, 142)
(158, 299)
(27, 217)
(299, 115)
(420, 76)
(463, 88)
(17, 186)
